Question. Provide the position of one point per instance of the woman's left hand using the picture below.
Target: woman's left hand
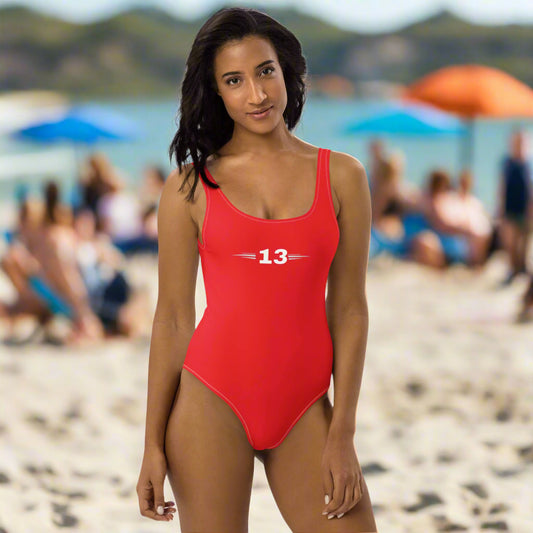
(342, 476)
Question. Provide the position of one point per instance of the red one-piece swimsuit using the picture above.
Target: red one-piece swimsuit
(263, 343)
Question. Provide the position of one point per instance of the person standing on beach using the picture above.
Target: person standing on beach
(251, 380)
(515, 204)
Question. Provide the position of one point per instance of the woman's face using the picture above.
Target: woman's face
(249, 79)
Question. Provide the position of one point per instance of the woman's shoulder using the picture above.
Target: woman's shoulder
(349, 181)
(345, 168)
(175, 191)
(175, 179)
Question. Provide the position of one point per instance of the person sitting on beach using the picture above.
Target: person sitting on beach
(96, 175)
(392, 198)
(121, 309)
(118, 214)
(56, 255)
(17, 264)
(40, 263)
(450, 236)
(95, 267)
(483, 238)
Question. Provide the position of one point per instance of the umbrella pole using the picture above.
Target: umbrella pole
(73, 184)
(467, 151)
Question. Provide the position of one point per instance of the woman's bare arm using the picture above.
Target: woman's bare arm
(174, 319)
(346, 302)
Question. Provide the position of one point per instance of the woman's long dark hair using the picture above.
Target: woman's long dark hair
(205, 125)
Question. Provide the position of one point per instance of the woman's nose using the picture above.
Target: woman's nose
(257, 94)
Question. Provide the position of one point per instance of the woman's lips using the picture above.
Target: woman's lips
(261, 115)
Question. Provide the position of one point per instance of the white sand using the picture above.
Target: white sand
(444, 362)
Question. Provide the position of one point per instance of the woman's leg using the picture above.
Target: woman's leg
(522, 249)
(18, 265)
(294, 474)
(511, 234)
(210, 461)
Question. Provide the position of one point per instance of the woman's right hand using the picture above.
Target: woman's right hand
(150, 487)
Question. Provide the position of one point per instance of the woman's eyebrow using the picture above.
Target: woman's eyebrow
(267, 62)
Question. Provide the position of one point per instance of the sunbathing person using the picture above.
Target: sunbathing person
(392, 198)
(39, 265)
(121, 309)
(458, 230)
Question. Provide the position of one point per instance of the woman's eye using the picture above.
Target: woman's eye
(268, 70)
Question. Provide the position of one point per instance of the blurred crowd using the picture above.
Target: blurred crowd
(444, 223)
(69, 258)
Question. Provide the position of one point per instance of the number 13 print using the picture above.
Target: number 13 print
(282, 256)
(280, 260)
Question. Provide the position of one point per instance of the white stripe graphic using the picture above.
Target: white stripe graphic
(247, 255)
(251, 255)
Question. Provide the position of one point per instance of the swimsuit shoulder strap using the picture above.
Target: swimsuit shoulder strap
(325, 202)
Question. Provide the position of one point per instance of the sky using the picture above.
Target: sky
(358, 15)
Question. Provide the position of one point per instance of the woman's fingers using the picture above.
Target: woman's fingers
(328, 486)
(347, 503)
(159, 503)
(149, 509)
(342, 483)
(347, 492)
(360, 487)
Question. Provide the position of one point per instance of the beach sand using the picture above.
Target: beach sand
(444, 427)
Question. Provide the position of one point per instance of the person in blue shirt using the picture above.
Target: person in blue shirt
(515, 204)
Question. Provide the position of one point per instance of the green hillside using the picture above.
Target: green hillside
(142, 52)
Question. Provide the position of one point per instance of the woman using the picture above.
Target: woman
(270, 228)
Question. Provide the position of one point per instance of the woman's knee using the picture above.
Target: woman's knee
(426, 249)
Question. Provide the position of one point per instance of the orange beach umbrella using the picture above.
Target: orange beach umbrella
(473, 91)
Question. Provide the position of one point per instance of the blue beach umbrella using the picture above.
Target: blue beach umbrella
(80, 124)
(407, 119)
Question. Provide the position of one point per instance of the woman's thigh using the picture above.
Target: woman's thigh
(210, 461)
(294, 474)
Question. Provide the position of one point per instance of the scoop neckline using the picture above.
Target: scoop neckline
(275, 220)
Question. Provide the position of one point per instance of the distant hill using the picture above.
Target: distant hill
(142, 52)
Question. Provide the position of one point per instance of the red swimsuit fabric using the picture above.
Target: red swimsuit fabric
(263, 344)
